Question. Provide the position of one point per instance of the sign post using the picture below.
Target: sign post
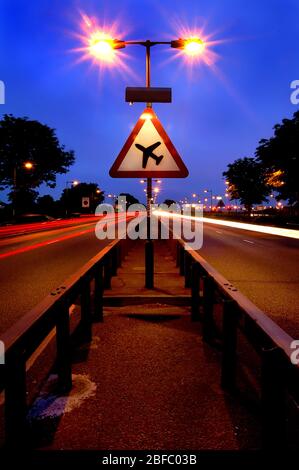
(149, 246)
(148, 153)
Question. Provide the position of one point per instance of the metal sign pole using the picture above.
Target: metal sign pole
(149, 246)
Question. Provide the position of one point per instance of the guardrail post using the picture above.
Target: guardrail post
(114, 261)
(159, 235)
(273, 399)
(119, 254)
(195, 293)
(15, 400)
(149, 264)
(98, 294)
(107, 271)
(86, 315)
(187, 269)
(229, 345)
(63, 345)
(182, 260)
(208, 308)
(177, 247)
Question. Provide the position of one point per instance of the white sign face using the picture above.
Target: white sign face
(85, 202)
(158, 159)
(148, 152)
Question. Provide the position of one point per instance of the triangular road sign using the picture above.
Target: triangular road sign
(148, 152)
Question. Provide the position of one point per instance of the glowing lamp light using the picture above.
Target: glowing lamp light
(102, 46)
(28, 165)
(192, 46)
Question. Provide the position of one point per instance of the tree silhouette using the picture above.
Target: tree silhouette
(279, 156)
(169, 202)
(246, 182)
(130, 199)
(71, 198)
(46, 205)
(23, 140)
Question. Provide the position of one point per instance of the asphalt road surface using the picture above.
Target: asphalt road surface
(32, 265)
(263, 267)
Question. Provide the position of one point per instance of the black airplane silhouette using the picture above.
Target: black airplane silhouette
(148, 152)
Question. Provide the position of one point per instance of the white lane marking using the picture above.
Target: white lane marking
(248, 241)
(58, 240)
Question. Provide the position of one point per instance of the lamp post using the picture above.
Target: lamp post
(71, 183)
(28, 166)
(102, 47)
(211, 196)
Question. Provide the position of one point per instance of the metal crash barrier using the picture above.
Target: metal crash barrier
(279, 375)
(25, 337)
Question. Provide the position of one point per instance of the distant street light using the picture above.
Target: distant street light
(211, 196)
(112, 196)
(67, 187)
(28, 166)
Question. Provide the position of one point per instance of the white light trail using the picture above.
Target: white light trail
(280, 232)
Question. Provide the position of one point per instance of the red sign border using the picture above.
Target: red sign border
(181, 173)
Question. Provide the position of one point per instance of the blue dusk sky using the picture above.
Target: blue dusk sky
(220, 109)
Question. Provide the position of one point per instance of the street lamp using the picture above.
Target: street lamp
(113, 197)
(192, 46)
(67, 187)
(103, 47)
(27, 166)
(211, 196)
(156, 192)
